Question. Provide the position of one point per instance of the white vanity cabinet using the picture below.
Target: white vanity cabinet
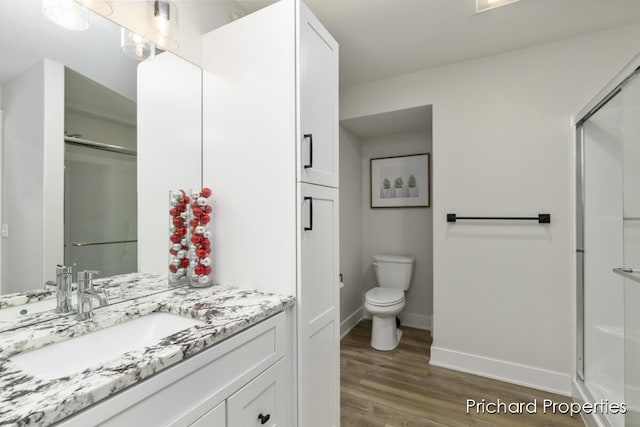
(270, 154)
(233, 383)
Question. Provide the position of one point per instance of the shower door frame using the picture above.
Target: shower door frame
(614, 88)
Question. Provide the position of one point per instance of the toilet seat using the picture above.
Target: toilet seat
(384, 297)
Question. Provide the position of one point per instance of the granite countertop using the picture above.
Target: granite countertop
(27, 400)
(117, 288)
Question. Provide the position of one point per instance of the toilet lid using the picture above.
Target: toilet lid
(384, 296)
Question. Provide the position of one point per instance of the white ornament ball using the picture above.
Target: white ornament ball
(183, 242)
(205, 261)
(195, 194)
(200, 229)
(193, 264)
(203, 280)
(184, 215)
(174, 202)
(202, 201)
(173, 229)
(178, 195)
(206, 234)
(176, 246)
(175, 262)
(182, 254)
(181, 272)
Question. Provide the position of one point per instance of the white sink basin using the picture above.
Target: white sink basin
(76, 354)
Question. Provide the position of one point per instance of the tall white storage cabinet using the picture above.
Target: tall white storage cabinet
(270, 154)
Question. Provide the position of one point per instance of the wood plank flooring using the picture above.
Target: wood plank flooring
(399, 389)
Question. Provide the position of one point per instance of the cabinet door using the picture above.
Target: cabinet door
(261, 402)
(318, 307)
(214, 418)
(318, 128)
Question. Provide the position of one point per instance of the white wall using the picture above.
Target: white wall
(169, 149)
(401, 231)
(33, 110)
(351, 301)
(501, 144)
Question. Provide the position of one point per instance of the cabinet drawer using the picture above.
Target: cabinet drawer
(260, 402)
(217, 417)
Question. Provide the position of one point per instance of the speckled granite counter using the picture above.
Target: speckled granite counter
(20, 309)
(26, 400)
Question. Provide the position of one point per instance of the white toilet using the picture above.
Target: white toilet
(386, 300)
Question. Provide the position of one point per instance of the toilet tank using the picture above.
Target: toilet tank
(393, 271)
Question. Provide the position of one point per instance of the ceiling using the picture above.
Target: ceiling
(416, 119)
(26, 37)
(384, 38)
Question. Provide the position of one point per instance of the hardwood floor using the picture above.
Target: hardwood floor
(399, 388)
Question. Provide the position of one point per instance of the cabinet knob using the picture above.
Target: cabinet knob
(264, 418)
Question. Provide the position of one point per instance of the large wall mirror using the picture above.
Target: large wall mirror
(92, 141)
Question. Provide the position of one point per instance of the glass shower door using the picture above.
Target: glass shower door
(631, 114)
(602, 305)
(100, 210)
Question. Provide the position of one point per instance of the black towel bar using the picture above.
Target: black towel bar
(541, 218)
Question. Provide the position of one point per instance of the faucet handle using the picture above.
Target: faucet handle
(85, 279)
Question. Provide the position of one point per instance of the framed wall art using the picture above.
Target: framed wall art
(401, 181)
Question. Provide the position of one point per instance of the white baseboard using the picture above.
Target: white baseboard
(350, 322)
(528, 376)
(413, 320)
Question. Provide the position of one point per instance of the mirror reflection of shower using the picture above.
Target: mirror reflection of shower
(100, 193)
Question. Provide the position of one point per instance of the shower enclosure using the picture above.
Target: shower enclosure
(100, 207)
(608, 254)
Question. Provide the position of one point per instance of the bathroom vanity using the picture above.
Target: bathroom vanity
(235, 360)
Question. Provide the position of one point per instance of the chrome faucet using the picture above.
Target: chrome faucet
(64, 276)
(86, 293)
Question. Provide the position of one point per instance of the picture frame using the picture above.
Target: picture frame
(400, 181)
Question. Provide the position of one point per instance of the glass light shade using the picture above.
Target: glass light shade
(67, 14)
(136, 46)
(164, 30)
(101, 7)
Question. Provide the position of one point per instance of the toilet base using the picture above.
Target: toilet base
(385, 336)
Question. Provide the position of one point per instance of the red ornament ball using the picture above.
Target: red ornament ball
(206, 192)
(181, 206)
(182, 231)
(194, 222)
(207, 209)
(205, 243)
(173, 212)
(184, 263)
(197, 212)
(199, 270)
(208, 250)
(175, 238)
(173, 252)
(177, 221)
(201, 253)
(186, 199)
(173, 268)
(205, 219)
(207, 270)
(195, 239)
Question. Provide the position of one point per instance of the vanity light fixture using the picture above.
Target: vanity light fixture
(67, 14)
(135, 46)
(164, 30)
(483, 5)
